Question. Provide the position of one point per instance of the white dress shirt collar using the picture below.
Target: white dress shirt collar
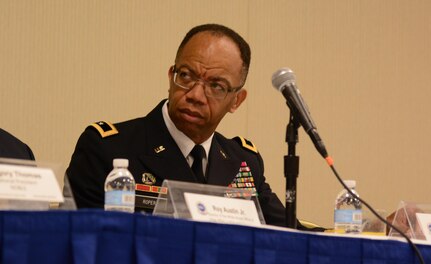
(184, 143)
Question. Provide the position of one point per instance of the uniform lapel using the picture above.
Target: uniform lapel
(222, 168)
(162, 157)
(169, 164)
(161, 154)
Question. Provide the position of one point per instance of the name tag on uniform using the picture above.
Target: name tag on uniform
(221, 209)
(29, 183)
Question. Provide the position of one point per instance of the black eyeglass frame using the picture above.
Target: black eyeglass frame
(207, 87)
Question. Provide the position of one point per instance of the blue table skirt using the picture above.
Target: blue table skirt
(93, 236)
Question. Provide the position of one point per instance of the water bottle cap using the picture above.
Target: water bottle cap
(121, 163)
(350, 183)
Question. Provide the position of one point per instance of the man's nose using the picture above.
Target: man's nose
(197, 91)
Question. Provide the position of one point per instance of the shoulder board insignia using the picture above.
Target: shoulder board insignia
(246, 144)
(105, 129)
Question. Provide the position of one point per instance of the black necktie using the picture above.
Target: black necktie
(198, 153)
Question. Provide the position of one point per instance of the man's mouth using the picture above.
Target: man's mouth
(190, 115)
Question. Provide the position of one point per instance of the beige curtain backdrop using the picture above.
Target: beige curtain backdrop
(362, 66)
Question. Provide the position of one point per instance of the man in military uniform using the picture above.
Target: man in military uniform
(13, 148)
(206, 82)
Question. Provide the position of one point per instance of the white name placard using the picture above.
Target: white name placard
(425, 224)
(221, 209)
(29, 183)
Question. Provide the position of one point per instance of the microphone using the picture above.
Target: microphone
(284, 81)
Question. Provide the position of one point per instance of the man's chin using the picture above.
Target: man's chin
(193, 132)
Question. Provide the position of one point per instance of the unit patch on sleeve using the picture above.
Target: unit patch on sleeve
(104, 128)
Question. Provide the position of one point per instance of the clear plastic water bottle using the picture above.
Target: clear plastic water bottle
(348, 211)
(120, 188)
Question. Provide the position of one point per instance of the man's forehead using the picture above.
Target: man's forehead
(206, 35)
(212, 51)
(207, 40)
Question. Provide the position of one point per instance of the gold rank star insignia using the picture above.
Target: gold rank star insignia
(159, 149)
(104, 128)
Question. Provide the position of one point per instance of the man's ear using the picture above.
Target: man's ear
(171, 71)
(170, 76)
(239, 98)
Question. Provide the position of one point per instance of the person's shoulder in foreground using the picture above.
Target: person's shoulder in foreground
(12, 147)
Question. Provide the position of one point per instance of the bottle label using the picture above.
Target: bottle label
(120, 198)
(348, 216)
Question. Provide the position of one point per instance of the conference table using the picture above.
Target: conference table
(96, 236)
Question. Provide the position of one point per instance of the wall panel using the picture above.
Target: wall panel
(363, 68)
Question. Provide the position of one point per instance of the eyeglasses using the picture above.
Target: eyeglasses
(186, 79)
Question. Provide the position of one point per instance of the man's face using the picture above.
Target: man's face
(208, 57)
